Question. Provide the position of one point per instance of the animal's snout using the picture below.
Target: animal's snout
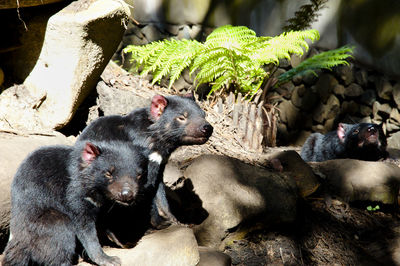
(372, 130)
(126, 193)
(207, 129)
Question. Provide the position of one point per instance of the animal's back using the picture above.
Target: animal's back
(37, 195)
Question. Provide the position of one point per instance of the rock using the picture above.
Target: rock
(361, 77)
(175, 245)
(355, 180)
(14, 148)
(195, 32)
(184, 32)
(349, 107)
(368, 97)
(395, 115)
(394, 141)
(396, 94)
(186, 12)
(384, 89)
(325, 85)
(339, 90)
(118, 102)
(381, 109)
(151, 33)
(304, 98)
(212, 257)
(345, 74)
(288, 113)
(78, 44)
(327, 111)
(306, 181)
(354, 90)
(233, 192)
(26, 118)
(365, 110)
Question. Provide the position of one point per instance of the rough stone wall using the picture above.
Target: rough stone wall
(349, 94)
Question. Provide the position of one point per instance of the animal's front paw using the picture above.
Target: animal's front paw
(108, 261)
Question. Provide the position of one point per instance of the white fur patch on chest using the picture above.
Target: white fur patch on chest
(92, 201)
(156, 157)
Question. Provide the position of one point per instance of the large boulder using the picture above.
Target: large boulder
(79, 42)
(356, 180)
(232, 192)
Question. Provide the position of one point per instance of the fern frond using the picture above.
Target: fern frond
(229, 36)
(324, 60)
(282, 46)
(163, 58)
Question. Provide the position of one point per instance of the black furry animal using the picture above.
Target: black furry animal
(57, 195)
(169, 123)
(364, 141)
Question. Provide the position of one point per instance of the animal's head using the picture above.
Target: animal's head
(115, 170)
(180, 119)
(362, 134)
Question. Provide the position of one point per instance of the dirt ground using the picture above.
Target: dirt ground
(325, 235)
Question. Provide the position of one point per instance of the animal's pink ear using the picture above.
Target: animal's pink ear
(158, 104)
(341, 132)
(90, 152)
(189, 95)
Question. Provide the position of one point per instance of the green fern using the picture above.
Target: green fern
(324, 60)
(231, 57)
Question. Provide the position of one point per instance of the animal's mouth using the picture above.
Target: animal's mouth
(194, 140)
(124, 203)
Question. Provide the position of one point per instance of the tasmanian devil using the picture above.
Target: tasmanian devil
(58, 193)
(169, 123)
(364, 141)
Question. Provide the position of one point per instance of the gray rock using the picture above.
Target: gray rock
(212, 257)
(349, 107)
(233, 192)
(184, 32)
(368, 97)
(175, 245)
(395, 115)
(396, 94)
(394, 141)
(384, 89)
(152, 33)
(78, 44)
(354, 180)
(345, 74)
(339, 90)
(288, 113)
(365, 110)
(114, 101)
(327, 111)
(361, 77)
(378, 108)
(304, 98)
(354, 90)
(325, 85)
(294, 167)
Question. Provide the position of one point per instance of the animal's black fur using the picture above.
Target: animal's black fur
(170, 122)
(58, 193)
(364, 141)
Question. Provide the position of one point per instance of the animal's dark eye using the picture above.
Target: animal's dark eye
(356, 131)
(108, 174)
(181, 118)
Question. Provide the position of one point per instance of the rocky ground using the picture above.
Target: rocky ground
(315, 228)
